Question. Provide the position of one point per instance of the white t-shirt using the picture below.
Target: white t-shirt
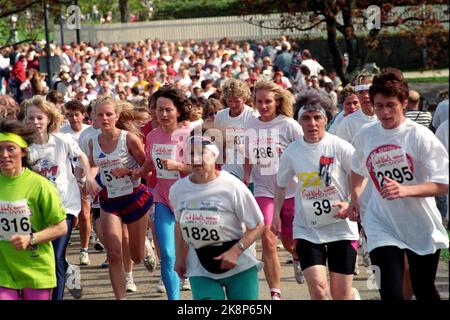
(441, 114)
(228, 202)
(352, 123)
(313, 66)
(265, 142)
(53, 161)
(85, 136)
(323, 179)
(233, 129)
(66, 129)
(75, 134)
(410, 154)
(337, 121)
(442, 134)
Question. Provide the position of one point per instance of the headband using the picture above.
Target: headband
(362, 87)
(312, 107)
(12, 137)
(206, 142)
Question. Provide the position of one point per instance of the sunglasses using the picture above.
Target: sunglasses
(212, 114)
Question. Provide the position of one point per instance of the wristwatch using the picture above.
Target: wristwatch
(32, 240)
(241, 246)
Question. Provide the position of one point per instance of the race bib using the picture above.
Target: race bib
(201, 228)
(235, 145)
(394, 165)
(164, 151)
(317, 204)
(14, 219)
(116, 187)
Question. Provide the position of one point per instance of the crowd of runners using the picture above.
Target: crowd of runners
(186, 154)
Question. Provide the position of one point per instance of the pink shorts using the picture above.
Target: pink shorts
(25, 294)
(287, 214)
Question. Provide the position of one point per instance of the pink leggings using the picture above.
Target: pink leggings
(286, 215)
(25, 294)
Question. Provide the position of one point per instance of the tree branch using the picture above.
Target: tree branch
(260, 24)
(8, 13)
(16, 43)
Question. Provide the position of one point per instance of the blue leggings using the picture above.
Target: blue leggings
(59, 248)
(165, 234)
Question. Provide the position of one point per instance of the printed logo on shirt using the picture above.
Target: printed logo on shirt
(323, 177)
(390, 161)
(47, 169)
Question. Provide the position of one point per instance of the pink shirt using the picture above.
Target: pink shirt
(158, 137)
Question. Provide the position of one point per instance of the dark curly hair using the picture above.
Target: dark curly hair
(389, 82)
(178, 98)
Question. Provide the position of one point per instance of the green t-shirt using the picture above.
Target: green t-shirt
(30, 195)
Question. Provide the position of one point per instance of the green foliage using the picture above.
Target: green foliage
(183, 9)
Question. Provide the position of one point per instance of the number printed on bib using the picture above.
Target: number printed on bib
(201, 228)
(394, 165)
(116, 187)
(164, 151)
(317, 204)
(14, 219)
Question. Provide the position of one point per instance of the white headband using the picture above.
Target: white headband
(205, 142)
(362, 87)
(311, 107)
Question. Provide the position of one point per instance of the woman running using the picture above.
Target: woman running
(123, 199)
(50, 156)
(323, 185)
(267, 137)
(219, 220)
(165, 146)
(407, 166)
(32, 216)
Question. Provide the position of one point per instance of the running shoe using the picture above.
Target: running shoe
(92, 238)
(73, 281)
(129, 283)
(290, 259)
(185, 285)
(105, 264)
(99, 246)
(150, 258)
(84, 258)
(160, 288)
(356, 271)
(275, 295)
(356, 294)
(298, 272)
(366, 259)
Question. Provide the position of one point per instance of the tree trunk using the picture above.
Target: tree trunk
(124, 11)
(350, 38)
(334, 50)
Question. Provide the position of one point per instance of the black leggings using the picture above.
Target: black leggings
(423, 270)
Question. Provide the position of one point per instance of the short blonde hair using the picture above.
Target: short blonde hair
(128, 115)
(235, 88)
(55, 117)
(284, 98)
